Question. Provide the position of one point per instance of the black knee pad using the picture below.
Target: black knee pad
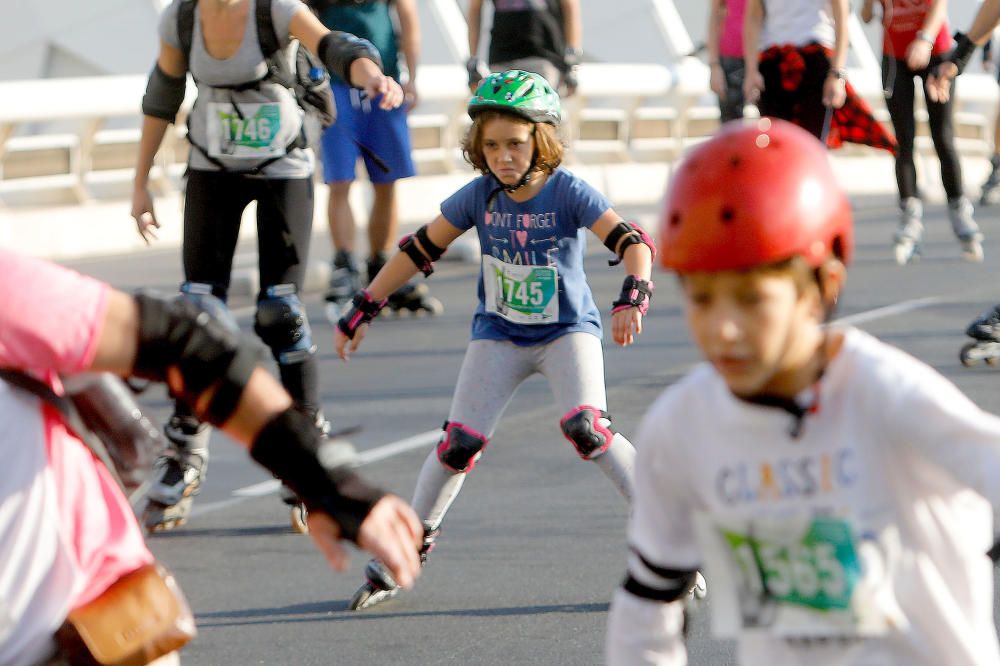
(281, 323)
(212, 299)
(460, 447)
(589, 429)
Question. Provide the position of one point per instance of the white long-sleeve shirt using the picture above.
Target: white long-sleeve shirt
(861, 541)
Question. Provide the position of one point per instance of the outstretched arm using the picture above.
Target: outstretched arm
(353, 327)
(388, 528)
(637, 257)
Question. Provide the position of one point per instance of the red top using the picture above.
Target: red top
(902, 19)
(731, 34)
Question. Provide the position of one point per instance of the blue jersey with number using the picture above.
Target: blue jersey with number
(532, 288)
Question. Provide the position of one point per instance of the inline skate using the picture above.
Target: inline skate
(178, 474)
(906, 241)
(985, 331)
(991, 188)
(411, 297)
(965, 228)
(344, 281)
(379, 585)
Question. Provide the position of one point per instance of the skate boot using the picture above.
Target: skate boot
(179, 474)
(410, 297)
(985, 330)
(906, 241)
(344, 281)
(379, 585)
(991, 188)
(965, 228)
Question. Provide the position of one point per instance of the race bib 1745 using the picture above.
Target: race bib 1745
(521, 294)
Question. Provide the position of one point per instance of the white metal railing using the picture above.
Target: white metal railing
(618, 97)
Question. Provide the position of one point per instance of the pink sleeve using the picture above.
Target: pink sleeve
(50, 317)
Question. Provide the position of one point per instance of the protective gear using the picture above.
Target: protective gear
(281, 323)
(670, 584)
(424, 256)
(636, 293)
(962, 53)
(363, 310)
(338, 51)
(164, 95)
(523, 94)
(625, 234)
(753, 195)
(320, 470)
(589, 429)
(205, 350)
(460, 447)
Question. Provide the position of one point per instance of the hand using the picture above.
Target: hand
(571, 81)
(834, 92)
(717, 81)
(391, 532)
(142, 213)
(868, 11)
(939, 82)
(753, 85)
(347, 346)
(918, 54)
(366, 75)
(625, 325)
(410, 97)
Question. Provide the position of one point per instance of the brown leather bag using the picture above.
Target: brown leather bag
(141, 617)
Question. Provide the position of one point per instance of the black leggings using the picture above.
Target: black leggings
(897, 79)
(213, 206)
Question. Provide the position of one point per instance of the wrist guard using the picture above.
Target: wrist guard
(636, 293)
(319, 470)
(424, 260)
(474, 66)
(178, 333)
(338, 51)
(363, 310)
(962, 53)
(625, 234)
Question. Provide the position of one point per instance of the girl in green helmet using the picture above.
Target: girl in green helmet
(536, 313)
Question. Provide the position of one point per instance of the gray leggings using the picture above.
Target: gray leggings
(491, 372)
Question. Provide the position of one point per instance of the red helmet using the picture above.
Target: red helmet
(754, 194)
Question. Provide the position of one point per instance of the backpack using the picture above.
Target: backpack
(309, 82)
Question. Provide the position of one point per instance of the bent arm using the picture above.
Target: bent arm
(401, 268)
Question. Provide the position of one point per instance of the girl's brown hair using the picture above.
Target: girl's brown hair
(549, 148)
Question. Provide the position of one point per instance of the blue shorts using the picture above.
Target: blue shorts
(384, 133)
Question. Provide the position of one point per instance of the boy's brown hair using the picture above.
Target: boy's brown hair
(549, 148)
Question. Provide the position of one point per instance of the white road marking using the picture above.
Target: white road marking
(426, 438)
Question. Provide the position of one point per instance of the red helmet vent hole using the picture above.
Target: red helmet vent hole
(735, 161)
(727, 215)
(675, 219)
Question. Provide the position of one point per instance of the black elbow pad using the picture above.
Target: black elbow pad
(339, 49)
(164, 95)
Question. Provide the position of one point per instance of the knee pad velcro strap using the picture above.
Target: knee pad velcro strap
(281, 323)
(460, 447)
(589, 429)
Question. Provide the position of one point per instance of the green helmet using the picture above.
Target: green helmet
(522, 93)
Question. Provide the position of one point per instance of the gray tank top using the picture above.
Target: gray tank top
(243, 128)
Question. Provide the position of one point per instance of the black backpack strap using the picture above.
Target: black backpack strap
(185, 25)
(268, 39)
(71, 416)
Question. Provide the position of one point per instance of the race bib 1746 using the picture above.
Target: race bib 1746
(247, 132)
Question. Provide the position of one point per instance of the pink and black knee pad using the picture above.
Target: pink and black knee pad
(589, 429)
(460, 447)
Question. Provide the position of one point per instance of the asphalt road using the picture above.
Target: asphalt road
(535, 545)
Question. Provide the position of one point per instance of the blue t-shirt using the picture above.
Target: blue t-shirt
(532, 288)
